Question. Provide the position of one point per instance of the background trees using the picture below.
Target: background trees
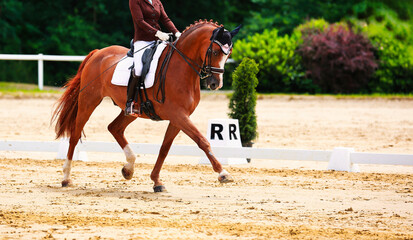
(72, 27)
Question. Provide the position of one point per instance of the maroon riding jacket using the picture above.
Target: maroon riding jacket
(146, 18)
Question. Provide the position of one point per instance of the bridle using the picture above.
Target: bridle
(206, 70)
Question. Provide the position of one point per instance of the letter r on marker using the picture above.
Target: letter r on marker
(216, 129)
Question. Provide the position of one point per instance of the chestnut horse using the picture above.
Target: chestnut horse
(203, 44)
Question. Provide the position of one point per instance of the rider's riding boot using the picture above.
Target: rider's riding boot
(133, 81)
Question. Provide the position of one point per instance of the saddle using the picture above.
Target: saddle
(147, 58)
(146, 105)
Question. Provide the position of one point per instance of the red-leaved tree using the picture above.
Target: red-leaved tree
(338, 60)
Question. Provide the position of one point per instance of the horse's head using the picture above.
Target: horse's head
(218, 52)
(208, 46)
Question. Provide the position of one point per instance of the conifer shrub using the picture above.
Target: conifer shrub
(244, 99)
(338, 60)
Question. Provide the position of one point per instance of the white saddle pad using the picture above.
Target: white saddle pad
(122, 71)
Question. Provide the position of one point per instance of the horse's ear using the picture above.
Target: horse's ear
(235, 31)
(217, 33)
(220, 33)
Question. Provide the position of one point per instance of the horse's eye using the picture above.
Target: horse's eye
(215, 53)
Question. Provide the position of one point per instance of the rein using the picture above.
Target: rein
(206, 70)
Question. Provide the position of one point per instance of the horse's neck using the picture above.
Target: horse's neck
(193, 44)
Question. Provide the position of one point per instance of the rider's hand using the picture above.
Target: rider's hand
(177, 35)
(162, 36)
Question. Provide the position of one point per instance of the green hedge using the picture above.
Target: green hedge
(280, 69)
(393, 40)
(395, 71)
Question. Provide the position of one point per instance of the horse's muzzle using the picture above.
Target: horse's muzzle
(212, 83)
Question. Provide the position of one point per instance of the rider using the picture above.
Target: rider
(145, 15)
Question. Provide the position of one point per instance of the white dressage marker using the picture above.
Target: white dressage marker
(224, 133)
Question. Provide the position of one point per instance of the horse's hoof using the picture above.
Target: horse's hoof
(160, 188)
(127, 174)
(225, 178)
(67, 183)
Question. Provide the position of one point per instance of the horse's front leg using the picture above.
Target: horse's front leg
(186, 125)
(170, 135)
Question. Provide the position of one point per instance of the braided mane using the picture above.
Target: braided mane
(200, 23)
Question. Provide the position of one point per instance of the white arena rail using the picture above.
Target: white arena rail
(40, 58)
(344, 159)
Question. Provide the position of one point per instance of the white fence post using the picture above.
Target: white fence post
(40, 71)
(340, 160)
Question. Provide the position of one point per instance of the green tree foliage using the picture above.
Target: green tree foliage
(183, 13)
(243, 101)
(375, 19)
(58, 27)
(285, 15)
(11, 24)
(395, 71)
(389, 26)
(71, 27)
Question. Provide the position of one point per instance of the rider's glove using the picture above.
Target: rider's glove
(162, 36)
(177, 34)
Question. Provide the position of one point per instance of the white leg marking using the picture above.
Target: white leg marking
(224, 177)
(67, 166)
(130, 157)
(223, 173)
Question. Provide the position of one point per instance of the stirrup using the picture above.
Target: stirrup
(130, 111)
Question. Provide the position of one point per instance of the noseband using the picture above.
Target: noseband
(207, 70)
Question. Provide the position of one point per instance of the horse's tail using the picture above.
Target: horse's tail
(66, 110)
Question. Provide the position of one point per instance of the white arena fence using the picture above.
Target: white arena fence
(341, 159)
(40, 58)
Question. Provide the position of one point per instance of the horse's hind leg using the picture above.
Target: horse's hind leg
(85, 109)
(117, 128)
